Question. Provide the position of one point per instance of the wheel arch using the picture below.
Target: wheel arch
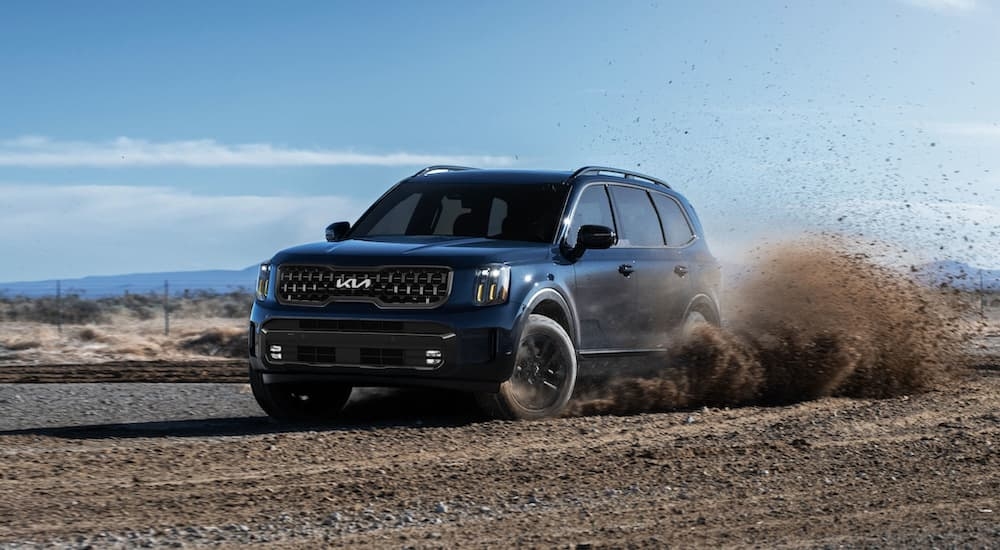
(705, 305)
(552, 304)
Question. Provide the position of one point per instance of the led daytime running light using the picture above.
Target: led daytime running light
(492, 285)
(263, 280)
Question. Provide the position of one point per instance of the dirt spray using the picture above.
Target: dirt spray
(811, 319)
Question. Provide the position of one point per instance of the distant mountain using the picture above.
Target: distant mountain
(958, 275)
(217, 280)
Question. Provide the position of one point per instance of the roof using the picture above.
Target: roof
(446, 174)
(496, 176)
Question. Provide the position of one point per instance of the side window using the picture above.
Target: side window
(639, 225)
(675, 223)
(592, 208)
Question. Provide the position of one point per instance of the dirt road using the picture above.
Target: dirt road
(126, 371)
(917, 470)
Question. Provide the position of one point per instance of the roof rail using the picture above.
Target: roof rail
(626, 174)
(441, 168)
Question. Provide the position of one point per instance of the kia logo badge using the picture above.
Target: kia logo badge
(354, 283)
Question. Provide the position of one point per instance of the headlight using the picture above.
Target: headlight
(263, 279)
(492, 285)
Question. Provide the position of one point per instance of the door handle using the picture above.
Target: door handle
(626, 269)
(681, 270)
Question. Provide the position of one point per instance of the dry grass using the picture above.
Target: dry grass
(122, 328)
(74, 309)
(121, 339)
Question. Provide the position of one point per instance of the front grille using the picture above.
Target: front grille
(341, 325)
(316, 354)
(357, 325)
(350, 356)
(387, 287)
(384, 357)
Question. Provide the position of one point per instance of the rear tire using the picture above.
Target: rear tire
(544, 375)
(311, 402)
(693, 320)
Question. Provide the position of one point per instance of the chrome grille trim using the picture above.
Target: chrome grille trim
(388, 287)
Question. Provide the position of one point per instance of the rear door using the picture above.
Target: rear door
(662, 287)
(677, 289)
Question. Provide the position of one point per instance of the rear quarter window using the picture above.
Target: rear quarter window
(676, 227)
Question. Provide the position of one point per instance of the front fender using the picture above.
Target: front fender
(553, 303)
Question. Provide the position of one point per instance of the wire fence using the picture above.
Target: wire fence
(59, 304)
(72, 306)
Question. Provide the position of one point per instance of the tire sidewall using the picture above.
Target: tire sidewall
(540, 325)
(275, 401)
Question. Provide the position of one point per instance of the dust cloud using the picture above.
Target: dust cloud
(811, 319)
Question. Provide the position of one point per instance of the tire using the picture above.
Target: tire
(691, 323)
(312, 402)
(543, 378)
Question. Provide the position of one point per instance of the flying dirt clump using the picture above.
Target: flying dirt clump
(811, 320)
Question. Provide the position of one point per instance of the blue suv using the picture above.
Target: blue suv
(505, 283)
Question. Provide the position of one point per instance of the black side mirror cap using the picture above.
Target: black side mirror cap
(337, 231)
(595, 237)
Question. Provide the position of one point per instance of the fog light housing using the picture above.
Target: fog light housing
(274, 352)
(433, 358)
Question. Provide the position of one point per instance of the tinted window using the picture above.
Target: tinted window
(520, 212)
(638, 224)
(592, 208)
(498, 213)
(451, 211)
(675, 223)
(397, 218)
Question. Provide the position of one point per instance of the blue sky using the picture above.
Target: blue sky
(194, 135)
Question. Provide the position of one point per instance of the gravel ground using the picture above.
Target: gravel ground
(27, 406)
(133, 464)
(913, 471)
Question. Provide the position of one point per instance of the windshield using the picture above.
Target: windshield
(516, 212)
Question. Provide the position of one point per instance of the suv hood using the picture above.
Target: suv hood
(455, 252)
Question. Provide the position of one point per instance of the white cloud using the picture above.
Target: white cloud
(76, 230)
(38, 151)
(945, 6)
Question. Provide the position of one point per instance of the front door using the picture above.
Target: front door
(604, 289)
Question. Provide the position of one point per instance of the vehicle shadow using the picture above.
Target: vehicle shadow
(369, 408)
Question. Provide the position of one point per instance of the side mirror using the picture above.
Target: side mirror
(596, 237)
(591, 236)
(337, 231)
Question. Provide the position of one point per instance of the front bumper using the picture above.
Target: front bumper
(362, 346)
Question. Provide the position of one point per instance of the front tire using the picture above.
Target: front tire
(313, 402)
(544, 374)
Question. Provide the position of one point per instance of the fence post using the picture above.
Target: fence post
(982, 296)
(166, 308)
(59, 306)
